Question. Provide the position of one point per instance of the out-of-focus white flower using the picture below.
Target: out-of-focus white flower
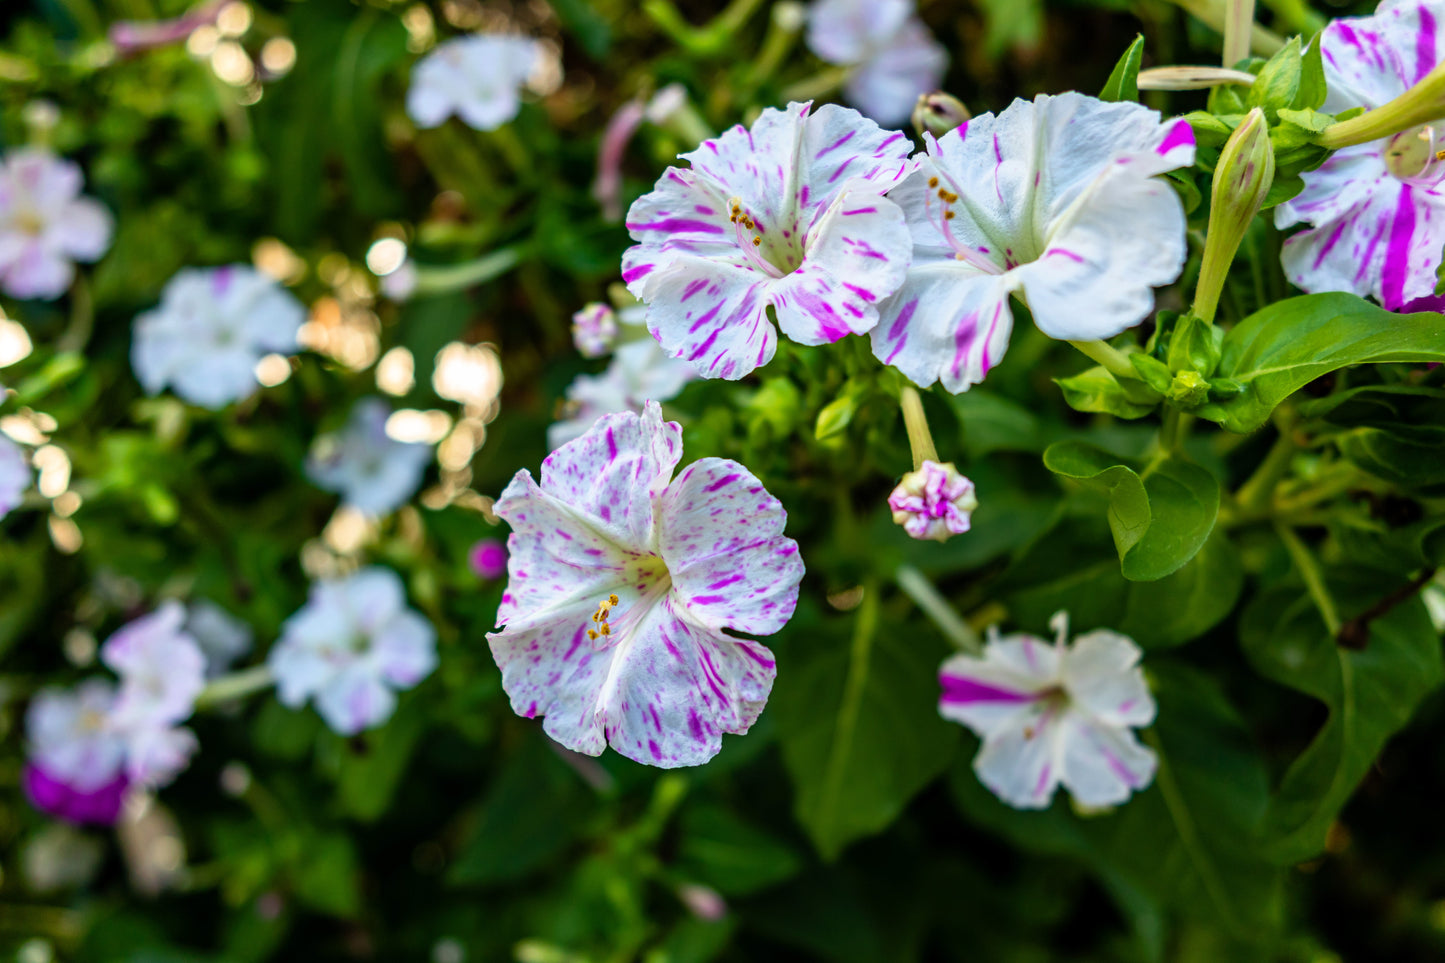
(350, 648)
(479, 78)
(15, 475)
(640, 372)
(400, 284)
(45, 224)
(371, 471)
(212, 326)
(75, 767)
(223, 638)
(893, 55)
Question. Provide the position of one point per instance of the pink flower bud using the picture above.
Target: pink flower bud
(933, 502)
(594, 330)
(489, 559)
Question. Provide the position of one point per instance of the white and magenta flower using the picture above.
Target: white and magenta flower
(894, 57)
(640, 371)
(622, 582)
(161, 670)
(15, 475)
(479, 78)
(75, 767)
(1054, 200)
(787, 214)
(935, 502)
(45, 224)
(212, 326)
(1054, 714)
(373, 472)
(594, 329)
(351, 648)
(1376, 211)
(222, 637)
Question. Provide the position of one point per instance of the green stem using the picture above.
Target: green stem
(1256, 494)
(1173, 430)
(920, 439)
(936, 607)
(1238, 23)
(234, 686)
(1309, 570)
(432, 279)
(1296, 16)
(821, 84)
(1114, 361)
(783, 30)
(865, 627)
(82, 318)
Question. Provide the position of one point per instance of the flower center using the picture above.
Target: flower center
(604, 611)
(1416, 155)
(1047, 704)
(775, 252)
(28, 222)
(940, 214)
(647, 582)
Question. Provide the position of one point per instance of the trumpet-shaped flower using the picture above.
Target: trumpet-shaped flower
(45, 224)
(1052, 714)
(351, 648)
(15, 475)
(788, 214)
(894, 57)
(212, 326)
(639, 372)
(478, 78)
(1375, 211)
(622, 580)
(1055, 200)
(373, 472)
(75, 768)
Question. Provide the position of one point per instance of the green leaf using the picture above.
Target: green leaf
(1312, 89)
(1123, 83)
(1160, 515)
(1096, 390)
(327, 875)
(1386, 455)
(1371, 694)
(1285, 346)
(718, 848)
(368, 780)
(1278, 83)
(1194, 345)
(859, 724)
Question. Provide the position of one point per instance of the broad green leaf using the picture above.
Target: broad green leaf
(1371, 694)
(1312, 90)
(1278, 82)
(1284, 347)
(1160, 515)
(718, 848)
(991, 422)
(859, 724)
(1123, 83)
(1096, 390)
(1401, 461)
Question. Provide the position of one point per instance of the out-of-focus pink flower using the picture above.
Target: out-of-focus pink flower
(488, 559)
(45, 224)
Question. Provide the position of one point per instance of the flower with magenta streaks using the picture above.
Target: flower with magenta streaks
(373, 472)
(75, 766)
(1055, 200)
(893, 56)
(478, 78)
(935, 502)
(594, 329)
(640, 371)
(787, 214)
(212, 326)
(1376, 211)
(1052, 714)
(351, 648)
(45, 224)
(622, 582)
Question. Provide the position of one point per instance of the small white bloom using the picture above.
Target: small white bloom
(1051, 714)
(373, 472)
(893, 55)
(351, 647)
(223, 638)
(212, 326)
(640, 372)
(479, 78)
(15, 475)
(45, 224)
(69, 736)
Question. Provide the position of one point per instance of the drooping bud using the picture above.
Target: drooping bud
(1192, 78)
(1242, 179)
(594, 330)
(938, 113)
(934, 502)
(1421, 104)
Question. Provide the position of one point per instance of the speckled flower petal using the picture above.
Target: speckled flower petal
(949, 323)
(1370, 60)
(1102, 765)
(722, 539)
(713, 315)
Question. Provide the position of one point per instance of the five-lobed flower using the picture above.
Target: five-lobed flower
(45, 224)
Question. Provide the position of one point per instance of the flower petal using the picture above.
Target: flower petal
(948, 323)
(1020, 762)
(1102, 765)
(1345, 179)
(404, 651)
(81, 229)
(1370, 60)
(712, 314)
(355, 700)
(845, 32)
(1101, 673)
(888, 84)
(721, 535)
(992, 693)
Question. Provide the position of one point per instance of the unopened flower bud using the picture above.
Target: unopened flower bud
(705, 902)
(594, 330)
(1242, 179)
(488, 559)
(1188, 390)
(938, 113)
(934, 502)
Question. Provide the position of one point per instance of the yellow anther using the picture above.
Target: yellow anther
(757, 242)
(606, 629)
(948, 215)
(604, 611)
(612, 600)
(591, 634)
(933, 182)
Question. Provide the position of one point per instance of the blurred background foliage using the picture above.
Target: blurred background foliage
(847, 826)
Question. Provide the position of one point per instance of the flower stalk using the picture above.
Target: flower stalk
(1421, 104)
(1238, 22)
(235, 685)
(920, 439)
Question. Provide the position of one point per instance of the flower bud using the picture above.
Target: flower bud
(488, 559)
(1242, 179)
(938, 113)
(1188, 390)
(594, 330)
(934, 502)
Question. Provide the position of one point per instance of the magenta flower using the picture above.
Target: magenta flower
(935, 502)
(488, 559)
(1376, 211)
(45, 224)
(75, 766)
(622, 582)
(788, 214)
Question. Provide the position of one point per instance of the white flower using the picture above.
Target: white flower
(640, 371)
(373, 472)
(45, 225)
(350, 648)
(1054, 714)
(212, 326)
(1055, 200)
(223, 638)
(894, 57)
(15, 475)
(75, 765)
(479, 78)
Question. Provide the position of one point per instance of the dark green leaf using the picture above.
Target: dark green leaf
(1123, 83)
(1096, 390)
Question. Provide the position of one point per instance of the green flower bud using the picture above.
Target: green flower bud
(1188, 391)
(938, 113)
(1242, 179)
